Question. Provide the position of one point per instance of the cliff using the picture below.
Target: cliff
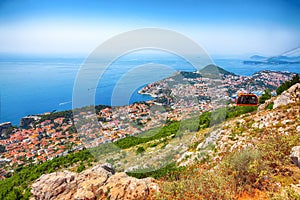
(28, 120)
(3, 129)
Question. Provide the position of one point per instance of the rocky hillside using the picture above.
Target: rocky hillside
(253, 156)
(248, 129)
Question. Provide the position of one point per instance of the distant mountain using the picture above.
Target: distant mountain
(284, 59)
(215, 70)
(256, 59)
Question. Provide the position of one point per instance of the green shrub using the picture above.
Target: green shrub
(80, 168)
(270, 106)
(169, 170)
(140, 150)
(266, 95)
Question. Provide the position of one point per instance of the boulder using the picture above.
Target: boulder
(295, 155)
(108, 167)
(57, 185)
(99, 182)
(266, 104)
(291, 95)
(121, 186)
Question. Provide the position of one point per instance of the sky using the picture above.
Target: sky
(221, 27)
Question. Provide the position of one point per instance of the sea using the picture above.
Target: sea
(35, 85)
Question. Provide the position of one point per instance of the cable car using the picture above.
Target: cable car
(247, 100)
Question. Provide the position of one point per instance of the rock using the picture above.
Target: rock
(266, 104)
(83, 194)
(121, 186)
(27, 121)
(57, 185)
(108, 167)
(295, 155)
(211, 139)
(99, 182)
(3, 127)
(289, 96)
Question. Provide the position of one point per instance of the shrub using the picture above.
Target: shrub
(192, 183)
(140, 150)
(246, 167)
(267, 95)
(270, 106)
(80, 168)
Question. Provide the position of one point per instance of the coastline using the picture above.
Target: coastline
(15, 116)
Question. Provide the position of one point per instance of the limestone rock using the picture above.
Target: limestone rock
(295, 155)
(266, 104)
(289, 96)
(99, 182)
(57, 185)
(121, 186)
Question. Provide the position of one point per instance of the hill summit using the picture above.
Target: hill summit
(216, 70)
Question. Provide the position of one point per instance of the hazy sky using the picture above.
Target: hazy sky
(76, 27)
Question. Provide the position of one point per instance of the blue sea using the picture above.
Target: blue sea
(31, 85)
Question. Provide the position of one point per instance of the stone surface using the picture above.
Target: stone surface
(266, 104)
(295, 155)
(28, 120)
(3, 127)
(289, 96)
(99, 182)
(57, 185)
(108, 167)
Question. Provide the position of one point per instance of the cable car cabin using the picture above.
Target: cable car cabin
(247, 100)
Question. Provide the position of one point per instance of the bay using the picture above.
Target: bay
(38, 85)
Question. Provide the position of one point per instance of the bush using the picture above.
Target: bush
(267, 95)
(270, 106)
(168, 170)
(192, 183)
(286, 194)
(276, 149)
(246, 167)
(80, 168)
(140, 150)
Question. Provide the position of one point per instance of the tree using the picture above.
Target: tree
(2, 148)
(286, 85)
(267, 95)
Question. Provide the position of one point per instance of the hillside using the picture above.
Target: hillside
(246, 157)
(217, 139)
(215, 70)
